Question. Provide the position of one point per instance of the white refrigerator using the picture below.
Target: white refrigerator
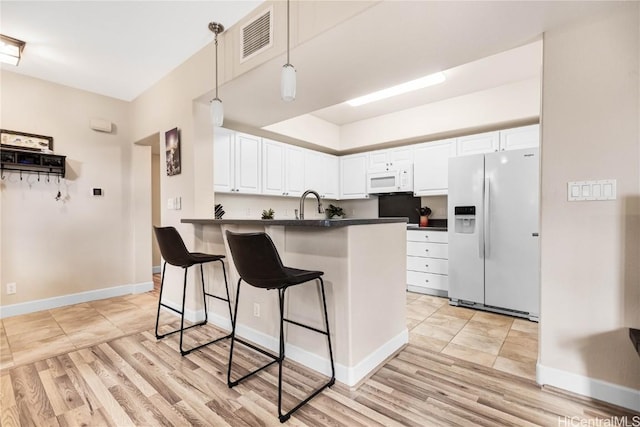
(493, 206)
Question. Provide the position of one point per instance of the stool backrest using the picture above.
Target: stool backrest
(172, 247)
(256, 259)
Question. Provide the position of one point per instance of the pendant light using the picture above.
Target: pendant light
(288, 79)
(217, 111)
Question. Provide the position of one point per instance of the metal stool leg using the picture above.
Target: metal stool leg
(332, 380)
(164, 267)
(248, 344)
(181, 312)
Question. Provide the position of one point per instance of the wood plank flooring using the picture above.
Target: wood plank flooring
(136, 380)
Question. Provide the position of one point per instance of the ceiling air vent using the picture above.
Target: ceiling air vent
(257, 35)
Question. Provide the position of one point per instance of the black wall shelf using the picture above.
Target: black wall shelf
(12, 160)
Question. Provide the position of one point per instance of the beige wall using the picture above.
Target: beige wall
(81, 243)
(590, 251)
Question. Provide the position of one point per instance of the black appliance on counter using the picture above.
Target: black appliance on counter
(399, 205)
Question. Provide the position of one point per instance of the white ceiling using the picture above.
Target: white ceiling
(114, 48)
(121, 48)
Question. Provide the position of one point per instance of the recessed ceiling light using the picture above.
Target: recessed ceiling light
(422, 82)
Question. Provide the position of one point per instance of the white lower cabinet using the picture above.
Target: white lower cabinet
(427, 262)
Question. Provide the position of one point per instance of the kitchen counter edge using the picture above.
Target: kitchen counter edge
(297, 222)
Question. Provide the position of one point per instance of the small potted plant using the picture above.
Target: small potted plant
(424, 215)
(267, 214)
(334, 212)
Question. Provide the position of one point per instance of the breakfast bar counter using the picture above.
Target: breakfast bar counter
(364, 265)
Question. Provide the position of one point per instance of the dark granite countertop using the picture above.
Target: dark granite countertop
(297, 222)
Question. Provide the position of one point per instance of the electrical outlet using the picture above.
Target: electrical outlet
(256, 309)
(11, 288)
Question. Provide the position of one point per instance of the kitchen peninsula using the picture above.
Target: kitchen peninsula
(364, 261)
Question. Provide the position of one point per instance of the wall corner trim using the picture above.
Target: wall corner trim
(70, 299)
(590, 387)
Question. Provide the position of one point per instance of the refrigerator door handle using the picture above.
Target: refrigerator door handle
(485, 213)
(481, 227)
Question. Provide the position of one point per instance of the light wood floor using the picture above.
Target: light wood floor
(455, 371)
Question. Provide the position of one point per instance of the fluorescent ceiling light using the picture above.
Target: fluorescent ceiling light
(422, 82)
(10, 50)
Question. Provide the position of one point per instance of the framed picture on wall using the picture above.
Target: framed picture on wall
(172, 143)
(25, 141)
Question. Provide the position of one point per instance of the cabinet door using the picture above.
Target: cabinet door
(401, 155)
(480, 143)
(379, 159)
(248, 164)
(273, 168)
(294, 171)
(313, 171)
(387, 159)
(322, 174)
(522, 137)
(331, 177)
(353, 176)
(431, 167)
(223, 161)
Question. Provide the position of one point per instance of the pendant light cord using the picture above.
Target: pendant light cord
(288, 39)
(216, 43)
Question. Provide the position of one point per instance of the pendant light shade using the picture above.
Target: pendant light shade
(288, 83)
(288, 78)
(217, 111)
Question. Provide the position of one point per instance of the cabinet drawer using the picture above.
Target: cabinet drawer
(427, 280)
(428, 265)
(432, 250)
(427, 236)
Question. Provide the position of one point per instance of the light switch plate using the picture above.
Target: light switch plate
(604, 189)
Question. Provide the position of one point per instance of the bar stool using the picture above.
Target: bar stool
(175, 253)
(258, 263)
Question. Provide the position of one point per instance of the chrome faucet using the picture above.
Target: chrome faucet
(305, 194)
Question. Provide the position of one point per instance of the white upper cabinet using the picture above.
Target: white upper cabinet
(248, 164)
(353, 176)
(237, 162)
(273, 168)
(522, 137)
(223, 161)
(508, 139)
(431, 167)
(331, 177)
(321, 173)
(487, 142)
(294, 171)
(282, 169)
(389, 158)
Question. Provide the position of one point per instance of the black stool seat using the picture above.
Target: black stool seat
(258, 263)
(175, 252)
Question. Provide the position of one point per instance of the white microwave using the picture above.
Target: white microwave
(398, 179)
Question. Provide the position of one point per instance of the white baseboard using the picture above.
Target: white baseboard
(156, 269)
(65, 300)
(590, 387)
(345, 374)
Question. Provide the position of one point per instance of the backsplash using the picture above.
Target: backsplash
(241, 206)
(438, 205)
